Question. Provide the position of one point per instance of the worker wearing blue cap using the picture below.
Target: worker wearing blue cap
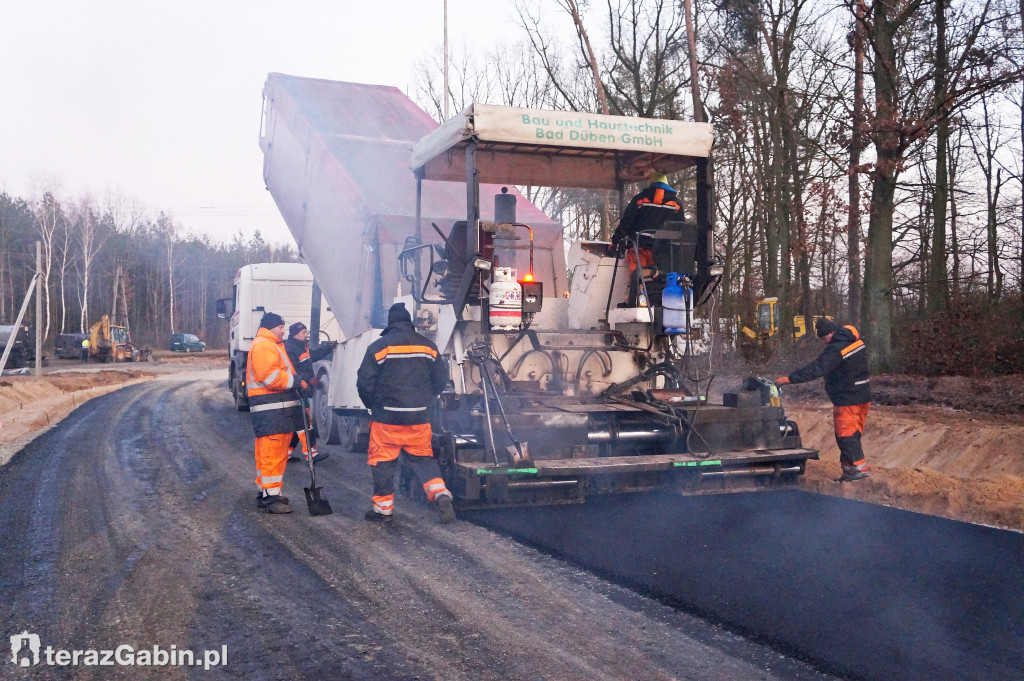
(647, 211)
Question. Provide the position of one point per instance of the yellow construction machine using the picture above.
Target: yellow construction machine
(111, 343)
(761, 343)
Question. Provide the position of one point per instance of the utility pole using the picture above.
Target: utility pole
(39, 311)
(444, 95)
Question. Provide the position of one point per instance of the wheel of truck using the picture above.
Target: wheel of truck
(347, 430)
(241, 403)
(119, 355)
(324, 418)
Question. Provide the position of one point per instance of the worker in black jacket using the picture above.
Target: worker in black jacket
(844, 364)
(400, 376)
(647, 211)
(302, 358)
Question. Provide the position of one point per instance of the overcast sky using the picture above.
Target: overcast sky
(161, 100)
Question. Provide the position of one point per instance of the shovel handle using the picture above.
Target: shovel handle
(303, 405)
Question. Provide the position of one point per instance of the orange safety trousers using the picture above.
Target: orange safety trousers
(300, 438)
(646, 259)
(849, 424)
(387, 442)
(271, 457)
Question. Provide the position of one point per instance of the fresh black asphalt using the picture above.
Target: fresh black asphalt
(864, 591)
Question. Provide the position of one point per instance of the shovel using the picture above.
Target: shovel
(316, 503)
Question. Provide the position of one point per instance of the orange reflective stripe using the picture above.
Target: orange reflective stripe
(854, 330)
(434, 487)
(384, 505)
(405, 352)
(659, 195)
(852, 347)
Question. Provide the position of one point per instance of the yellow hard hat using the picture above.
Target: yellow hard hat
(659, 177)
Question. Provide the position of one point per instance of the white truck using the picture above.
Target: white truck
(557, 390)
(285, 288)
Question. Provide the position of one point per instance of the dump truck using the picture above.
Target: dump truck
(557, 391)
(285, 288)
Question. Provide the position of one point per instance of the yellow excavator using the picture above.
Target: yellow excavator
(761, 343)
(111, 343)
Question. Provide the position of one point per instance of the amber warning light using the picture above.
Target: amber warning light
(533, 294)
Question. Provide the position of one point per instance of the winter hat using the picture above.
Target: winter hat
(398, 313)
(824, 327)
(271, 321)
(295, 328)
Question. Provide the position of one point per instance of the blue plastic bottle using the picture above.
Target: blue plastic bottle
(673, 302)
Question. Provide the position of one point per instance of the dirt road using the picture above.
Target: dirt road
(133, 523)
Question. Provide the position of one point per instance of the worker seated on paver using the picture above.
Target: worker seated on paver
(646, 212)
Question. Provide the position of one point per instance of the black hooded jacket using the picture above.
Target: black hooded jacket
(648, 210)
(302, 356)
(401, 374)
(844, 364)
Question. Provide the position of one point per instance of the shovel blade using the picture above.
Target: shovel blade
(519, 455)
(316, 503)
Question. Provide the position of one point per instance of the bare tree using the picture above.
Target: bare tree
(65, 257)
(857, 145)
(48, 215)
(91, 238)
(168, 234)
(902, 117)
(987, 139)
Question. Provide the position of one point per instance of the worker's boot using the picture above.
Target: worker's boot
(292, 456)
(375, 517)
(855, 472)
(318, 456)
(445, 508)
(275, 504)
(259, 497)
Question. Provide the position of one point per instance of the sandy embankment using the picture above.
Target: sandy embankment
(29, 404)
(932, 460)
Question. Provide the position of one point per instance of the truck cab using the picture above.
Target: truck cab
(283, 288)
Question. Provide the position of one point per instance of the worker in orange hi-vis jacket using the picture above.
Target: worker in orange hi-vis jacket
(275, 407)
(844, 364)
(400, 376)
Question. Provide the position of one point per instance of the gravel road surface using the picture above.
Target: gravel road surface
(133, 523)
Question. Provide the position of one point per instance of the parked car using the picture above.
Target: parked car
(69, 345)
(187, 342)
